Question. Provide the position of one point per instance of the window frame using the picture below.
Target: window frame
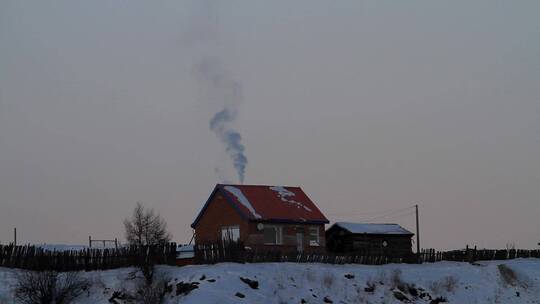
(227, 228)
(317, 242)
(278, 234)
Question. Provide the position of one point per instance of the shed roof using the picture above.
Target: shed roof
(368, 228)
(269, 203)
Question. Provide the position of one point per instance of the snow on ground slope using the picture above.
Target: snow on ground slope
(518, 281)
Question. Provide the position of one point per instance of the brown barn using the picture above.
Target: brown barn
(263, 218)
(388, 239)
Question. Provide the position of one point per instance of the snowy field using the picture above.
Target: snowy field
(485, 282)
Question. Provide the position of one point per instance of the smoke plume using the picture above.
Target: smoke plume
(220, 88)
(217, 85)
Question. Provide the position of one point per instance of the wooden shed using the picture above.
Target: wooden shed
(185, 255)
(387, 239)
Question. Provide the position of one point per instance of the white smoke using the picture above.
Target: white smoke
(219, 86)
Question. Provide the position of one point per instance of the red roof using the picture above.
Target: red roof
(269, 203)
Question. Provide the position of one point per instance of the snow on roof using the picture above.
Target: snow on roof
(181, 248)
(373, 228)
(242, 199)
(284, 195)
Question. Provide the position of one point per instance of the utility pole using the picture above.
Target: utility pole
(417, 233)
(15, 236)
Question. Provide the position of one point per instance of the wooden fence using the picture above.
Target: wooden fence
(473, 255)
(236, 252)
(36, 258)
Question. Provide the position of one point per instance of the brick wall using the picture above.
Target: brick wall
(219, 213)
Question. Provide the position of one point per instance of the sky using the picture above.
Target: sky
(369, 106)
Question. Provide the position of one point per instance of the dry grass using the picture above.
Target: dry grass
(311, 276)
(446, 284)
(328, 280)
(508, 275)
(395, 278)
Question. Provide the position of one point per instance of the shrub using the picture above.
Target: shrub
(152, 293)
(152, 290)
(46, 287)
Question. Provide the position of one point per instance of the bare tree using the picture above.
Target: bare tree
(146, 227)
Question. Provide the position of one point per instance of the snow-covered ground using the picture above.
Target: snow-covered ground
(319, 283)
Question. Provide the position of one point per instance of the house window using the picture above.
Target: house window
(314, 236)
(273, 235)
(230, 233)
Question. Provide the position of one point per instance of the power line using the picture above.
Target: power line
(388, 214)
(382, 213)
(395, 216)
(366, 213)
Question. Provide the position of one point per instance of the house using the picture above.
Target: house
(264, 218)
(387, 239)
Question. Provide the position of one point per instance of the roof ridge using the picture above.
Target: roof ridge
(257, 185)
(365, 223)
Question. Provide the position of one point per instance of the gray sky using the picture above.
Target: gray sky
(369, 106)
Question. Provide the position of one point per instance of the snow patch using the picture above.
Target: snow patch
(285, 195)
(242, 199)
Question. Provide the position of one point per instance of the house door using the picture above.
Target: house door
(300, 241)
